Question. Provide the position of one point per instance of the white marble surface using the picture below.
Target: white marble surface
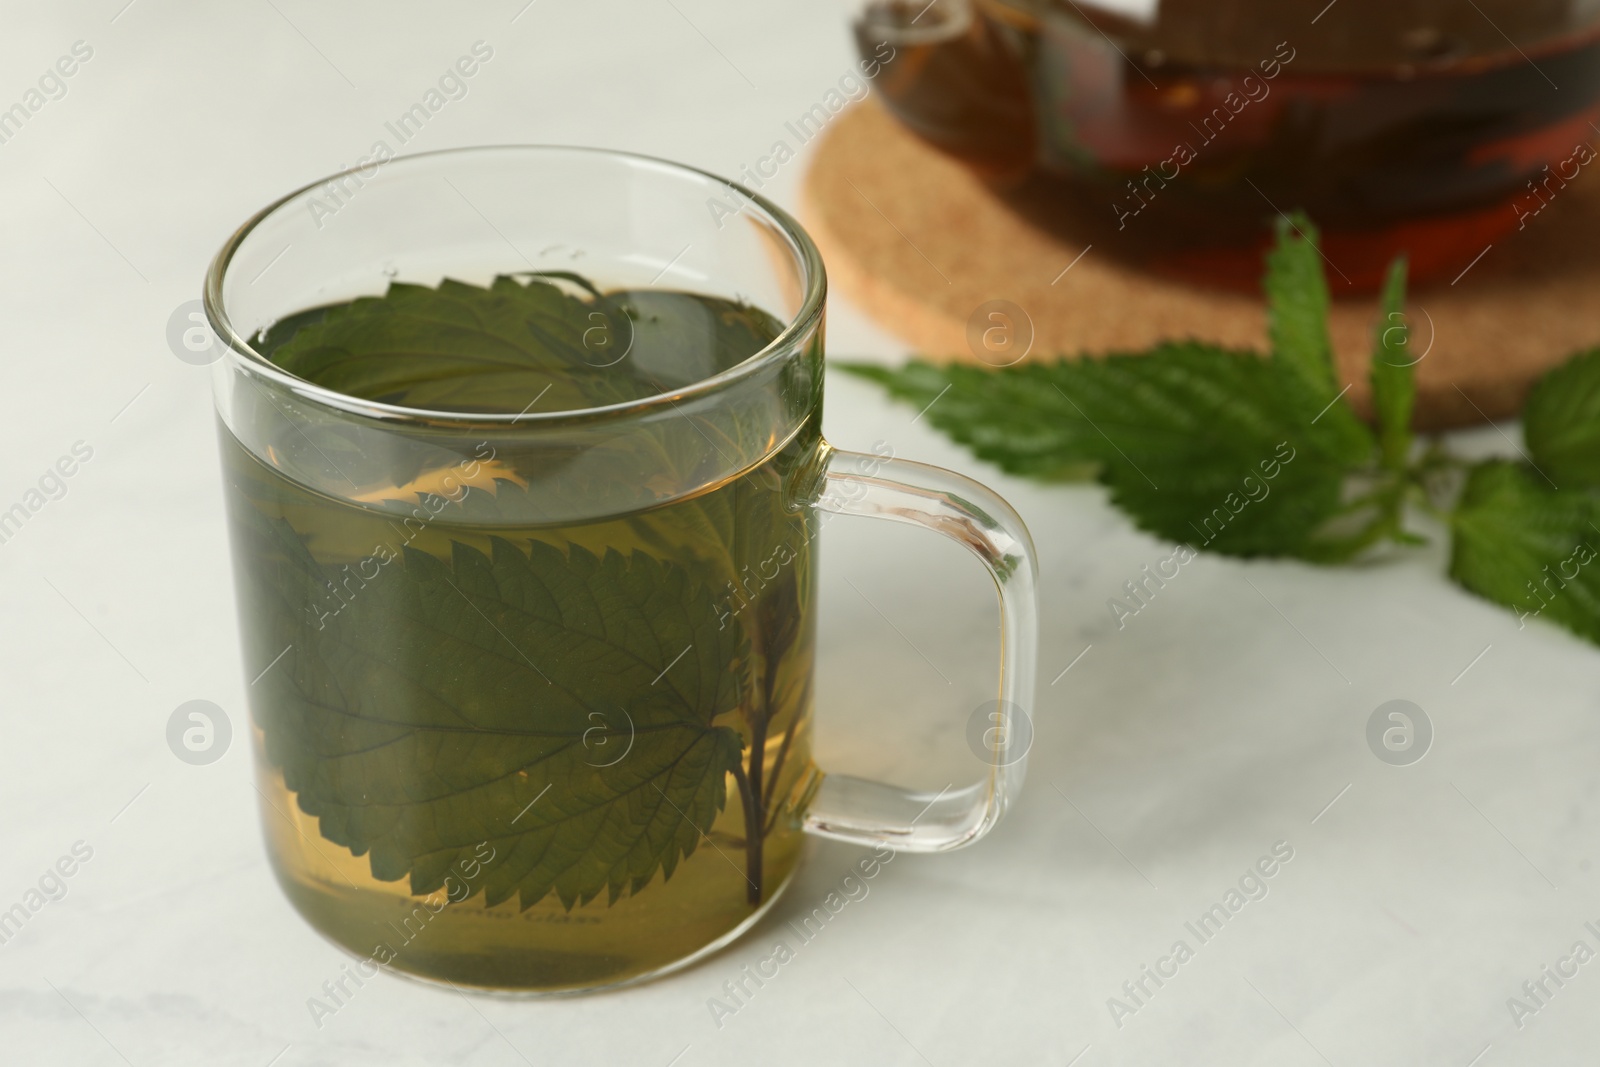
(1222, 719)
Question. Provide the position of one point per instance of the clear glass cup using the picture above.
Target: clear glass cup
(471, 781)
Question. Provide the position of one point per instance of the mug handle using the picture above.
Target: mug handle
(875, 813)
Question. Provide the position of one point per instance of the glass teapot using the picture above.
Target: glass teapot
(1172, 132)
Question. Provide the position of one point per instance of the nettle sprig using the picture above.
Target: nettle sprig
(1250, 454)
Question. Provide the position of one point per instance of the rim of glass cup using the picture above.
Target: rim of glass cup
(800, 245)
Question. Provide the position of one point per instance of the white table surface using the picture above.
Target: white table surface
(1223, 719)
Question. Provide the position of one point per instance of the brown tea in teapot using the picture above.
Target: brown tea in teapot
(1172, 132)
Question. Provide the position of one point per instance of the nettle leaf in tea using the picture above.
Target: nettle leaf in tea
(418, 723)
(467, 348)
(613, 707)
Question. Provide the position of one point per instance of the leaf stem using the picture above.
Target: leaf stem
(752, 841)
(777, 764)
(754, 810)
(1438, 456)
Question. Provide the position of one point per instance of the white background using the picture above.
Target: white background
(1224, 718)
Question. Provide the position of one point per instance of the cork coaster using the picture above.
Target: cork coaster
(921, 244)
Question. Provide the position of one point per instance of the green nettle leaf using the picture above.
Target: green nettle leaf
(557, 704)
(1520, 543)
(1199, 444)
(1297, 308)
(1014, 419)
(459, 346)
(1210, 447)
(520, 341)
(1297, 325)
(1561, 422)
(1394, 386)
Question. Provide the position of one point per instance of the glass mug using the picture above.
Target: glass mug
(531, 686)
